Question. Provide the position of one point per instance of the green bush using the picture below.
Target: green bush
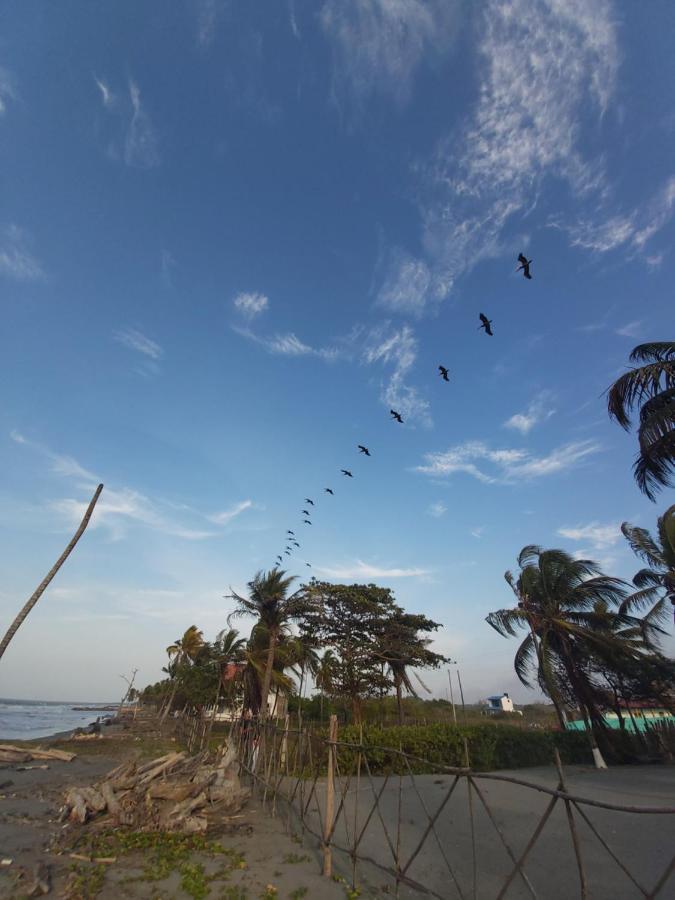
(433, 746)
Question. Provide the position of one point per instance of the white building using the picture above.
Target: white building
(500, 703)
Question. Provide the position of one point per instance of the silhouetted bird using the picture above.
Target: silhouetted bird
(296, 544)
(307, 500)
(328, 491)
(288, 531)
(287, 552)
(306, 521)
(524, 265)
(309, 564)
(485, 323)
(363, 449)
(396, 416)
(347, 473)
(280, 559)
(443, 373)
(305, 512)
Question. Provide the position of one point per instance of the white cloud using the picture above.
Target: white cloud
(288, 345)
(136, 340)
(16, 260)
(525, 126)
(251, 304)
(504, 466)
(600, 536)
(107, 96)
(378, 44)
(227, 515)
(437, 509)
(140, 145)
(406, 286)
(293, 20)
(630, 330)
(538, 411)
(360, 569)
(398, 348)
(121, 508)
(207, 19)
(6, 90)
(478, 532)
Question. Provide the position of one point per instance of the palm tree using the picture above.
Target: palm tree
(657, 581)
(256, 656)
(652, 388)
(556, 597)
(402, 648)
(183, 650)
(324, 676)
(304, 658)
(270, 603)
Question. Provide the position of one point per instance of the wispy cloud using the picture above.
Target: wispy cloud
(140, 145)
(360, 569)
(208, 12)
(251, 304)
(408, 284)
(525, 127)
(379, 44)
(504, 465)
(631, 329)
(123, 508)
(599, 536)
(478, 532)
(107, 97)
(135, 340)
(16, 259)
(7, 91)
(437, 509)
(538, 411)
(167, 266)
(227, 515)
(397, 347)
(288, 345)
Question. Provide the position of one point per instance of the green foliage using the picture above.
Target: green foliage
(84, 882)
(491, 747)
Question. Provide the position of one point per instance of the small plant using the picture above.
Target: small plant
(84, 882)
(294, 858)
(269, 893)
(194, 881)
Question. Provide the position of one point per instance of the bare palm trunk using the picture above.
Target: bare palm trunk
(14, 627)
(399, 702)
(267, 678)
(302, 678)
(168, 706)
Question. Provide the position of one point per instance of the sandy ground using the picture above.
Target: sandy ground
(29, 831)
(644, 843)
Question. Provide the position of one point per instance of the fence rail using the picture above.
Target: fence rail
(453, 832)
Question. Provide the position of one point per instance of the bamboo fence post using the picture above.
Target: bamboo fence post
(42, 587)
(330, 798)
(467, 763)
(573, 829)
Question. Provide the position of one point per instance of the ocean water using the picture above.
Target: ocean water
(28, 719)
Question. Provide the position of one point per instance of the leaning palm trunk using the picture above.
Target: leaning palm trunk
(14, 627)
(169, 704)
(267, 678)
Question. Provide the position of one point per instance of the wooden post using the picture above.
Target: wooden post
(330, 799)
(283, 755)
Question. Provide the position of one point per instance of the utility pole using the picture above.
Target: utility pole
(461, 692)
(452, 697)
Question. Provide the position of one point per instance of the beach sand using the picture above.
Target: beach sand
(30, 832)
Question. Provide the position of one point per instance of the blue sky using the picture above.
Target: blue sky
(233, 235)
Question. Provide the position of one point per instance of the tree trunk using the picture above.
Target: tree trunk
(302, 678)
(399, 701)
(267, 678)
(14, 627)
(356, 710)
(169, 704)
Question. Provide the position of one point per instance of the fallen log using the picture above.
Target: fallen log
(38, 752)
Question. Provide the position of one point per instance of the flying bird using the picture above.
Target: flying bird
(524, 265)
(396, 416)
(485, 323)
(305, 512)
(363, 449)
(287, 552)
(443, 372)
(296, 544)
(347, 473)
(306, 521)
(307, 500)
(328, 491)
(280, 558)
(309, 564)
(288, 531)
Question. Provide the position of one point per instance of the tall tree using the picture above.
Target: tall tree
(556, 596)
(270, 603)
(324, 678)
(349, 619)
(656, 583)
(184, 650)
(651, 387)
(402, 648)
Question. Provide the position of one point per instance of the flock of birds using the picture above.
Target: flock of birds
(292, 543)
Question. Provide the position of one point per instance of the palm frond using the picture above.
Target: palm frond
(655, 465)
(642, 544)
(505, 621)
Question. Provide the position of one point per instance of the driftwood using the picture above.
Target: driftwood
(176, 792)
(10, 753)
(41, 883)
